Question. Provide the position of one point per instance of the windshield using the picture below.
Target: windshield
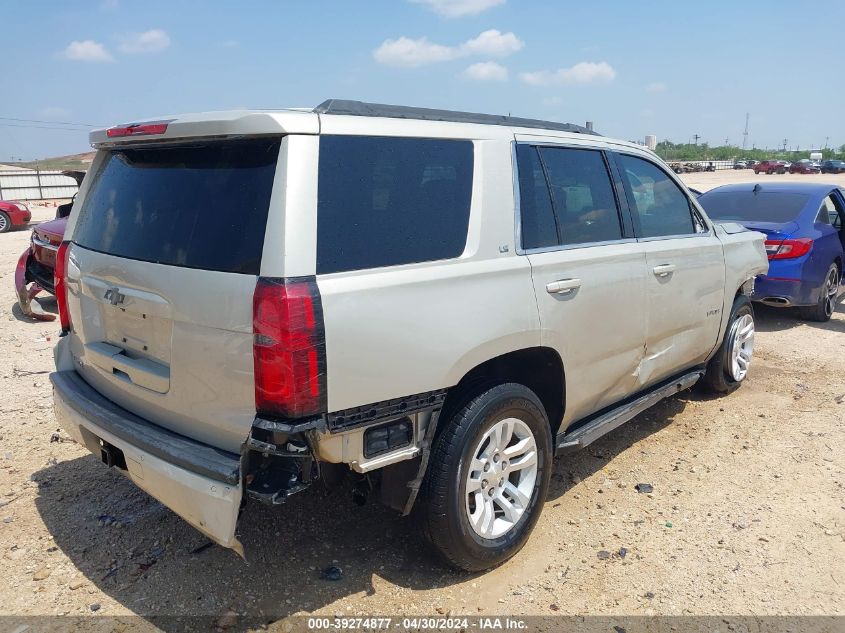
(197, 206)
(747, 206)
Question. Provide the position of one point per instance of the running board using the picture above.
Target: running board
(616, 417)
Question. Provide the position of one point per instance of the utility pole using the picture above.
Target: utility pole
(785, 141)
(726, 141)
(745, 134)
(826, 141)
(696, 137)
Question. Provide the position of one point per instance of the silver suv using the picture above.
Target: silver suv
(439, 301)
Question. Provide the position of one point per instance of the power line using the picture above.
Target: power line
(7, 118)
(46, 127)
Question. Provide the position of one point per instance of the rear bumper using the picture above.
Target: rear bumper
(39, 273)
(784, 292)
(198, 482)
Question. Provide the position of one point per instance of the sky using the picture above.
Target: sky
(669, 68)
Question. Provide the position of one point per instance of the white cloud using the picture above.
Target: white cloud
(54, 112)
(459, 8)
(152, 41)
(551, 101)
(486, 71)
(87, 51)
(410, 53)
(656, 86)
(230, 44)
(581, 73)
(407, 52)
(494, 43)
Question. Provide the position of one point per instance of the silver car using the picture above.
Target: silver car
(438, 301)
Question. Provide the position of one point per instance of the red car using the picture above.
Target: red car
(36, 265)
(770, 167)
(804, 167)
(34, 271)
(13, 213)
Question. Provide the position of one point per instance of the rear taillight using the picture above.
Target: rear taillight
(289, 348)
(145, 129)
(788, 249)
(60, 282)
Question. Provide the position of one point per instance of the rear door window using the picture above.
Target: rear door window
(566, 197)
(196, 206)
(659, 207)
(828, 213)
(582, 194)
(387, 201)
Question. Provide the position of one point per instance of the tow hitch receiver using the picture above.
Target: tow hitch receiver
(112, 456)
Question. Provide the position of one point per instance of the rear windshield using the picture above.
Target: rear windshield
(199, 206)
(747, 206)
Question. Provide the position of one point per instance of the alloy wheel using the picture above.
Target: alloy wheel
(500, 478)
(741, 346)
(831, 289)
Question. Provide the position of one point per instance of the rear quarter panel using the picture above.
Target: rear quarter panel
(402, 330)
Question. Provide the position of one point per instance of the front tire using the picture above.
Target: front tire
(5, 222)
(727, 370)
(488, 478)
(823, 310)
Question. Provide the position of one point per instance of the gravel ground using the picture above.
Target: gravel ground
(746, 516)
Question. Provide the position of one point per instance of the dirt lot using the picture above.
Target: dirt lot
(747, 515)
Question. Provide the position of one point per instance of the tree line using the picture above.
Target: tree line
(667, 150)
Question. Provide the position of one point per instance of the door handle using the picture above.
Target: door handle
(563, 286)
(664, 269)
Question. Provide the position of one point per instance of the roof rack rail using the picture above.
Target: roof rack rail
(361, 108)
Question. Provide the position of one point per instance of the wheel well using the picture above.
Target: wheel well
(739, 290)
(538, 368)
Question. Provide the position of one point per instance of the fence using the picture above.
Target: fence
(29, 184)
(701, 165)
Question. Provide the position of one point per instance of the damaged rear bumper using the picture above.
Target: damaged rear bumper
(200, 483)
(26, 271)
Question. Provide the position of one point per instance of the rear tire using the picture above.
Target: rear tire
(488, 478)
(823, 310)
(727, 370)
(5, 222)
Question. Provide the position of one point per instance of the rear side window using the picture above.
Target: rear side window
(753, 206)
(386, 201)
(659, 206)
(199, 206)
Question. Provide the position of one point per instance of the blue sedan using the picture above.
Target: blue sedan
(805, 239)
